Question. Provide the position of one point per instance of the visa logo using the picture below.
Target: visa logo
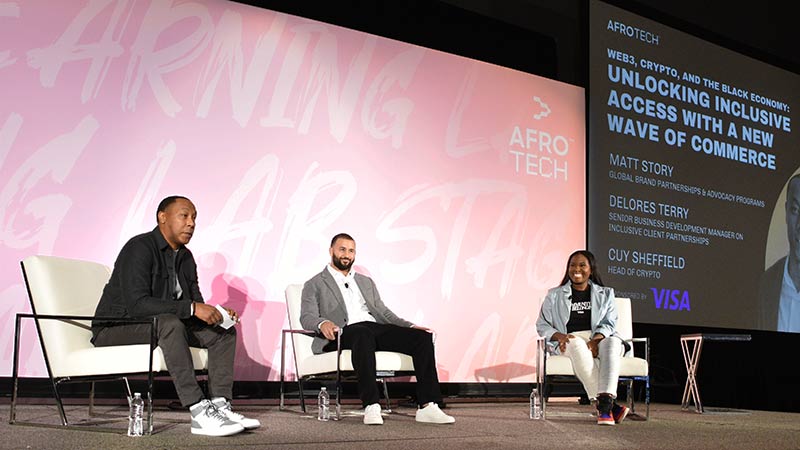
(673, 299)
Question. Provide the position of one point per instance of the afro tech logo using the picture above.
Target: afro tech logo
(537, 152)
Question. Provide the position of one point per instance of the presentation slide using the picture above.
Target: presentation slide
(462, 182)
(692, 211)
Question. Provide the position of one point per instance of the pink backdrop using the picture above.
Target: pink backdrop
(462, 182)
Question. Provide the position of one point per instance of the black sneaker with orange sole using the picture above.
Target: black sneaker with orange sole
(619, 412)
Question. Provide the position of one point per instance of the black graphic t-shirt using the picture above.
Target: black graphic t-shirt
(580, 318)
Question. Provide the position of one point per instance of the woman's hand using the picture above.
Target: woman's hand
(562, 340)
(593, 344)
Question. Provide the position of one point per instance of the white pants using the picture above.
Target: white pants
(601, 374)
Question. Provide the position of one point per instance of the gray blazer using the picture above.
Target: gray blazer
(322, 300)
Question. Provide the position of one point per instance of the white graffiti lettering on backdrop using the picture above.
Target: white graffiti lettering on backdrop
(245, 83)
(66, 48)
(545, 258)
(484, 341)
(224, 227)
(342, 96)
(487, 341)
(304, 224)
(383, 115)
(264, 172)
(8, 134)
(30, 221)
(403, 66)
(512, 215)
(324, 72)
(146, 62)
(453, 147)
(285, 130)
(8, 10)
(140, 214)
(52, 162)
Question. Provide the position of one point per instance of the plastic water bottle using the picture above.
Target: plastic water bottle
(324, 404)
(536, 406)
(136, 415)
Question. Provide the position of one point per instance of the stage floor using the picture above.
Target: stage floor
(487, 425)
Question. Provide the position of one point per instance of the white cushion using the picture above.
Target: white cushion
(61, 286)
(119, 359)
(310, 364)
(326, 362)
(630, 366)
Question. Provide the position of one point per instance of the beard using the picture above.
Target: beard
(340, 265)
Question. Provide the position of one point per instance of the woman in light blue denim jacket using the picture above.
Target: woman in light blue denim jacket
(578, 319)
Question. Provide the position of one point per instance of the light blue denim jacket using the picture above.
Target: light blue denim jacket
(558, 304)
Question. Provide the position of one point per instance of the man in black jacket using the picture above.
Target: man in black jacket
(155, 275)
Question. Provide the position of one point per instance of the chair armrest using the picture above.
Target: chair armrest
(285, 332)
(296, 331)
(70, 317)
(338, 356)
(646, 342)
(541, 365)
(543, 345)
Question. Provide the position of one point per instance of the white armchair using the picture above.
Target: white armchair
(326, 365)
(551, 368)
(63, 295)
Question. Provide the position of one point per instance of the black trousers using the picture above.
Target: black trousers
(365, 338)
(175, 336)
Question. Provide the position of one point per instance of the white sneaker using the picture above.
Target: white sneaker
(432, 414)
(208, 421)
(224, 407)
(372, 415)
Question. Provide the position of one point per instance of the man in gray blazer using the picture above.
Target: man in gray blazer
(338, 300)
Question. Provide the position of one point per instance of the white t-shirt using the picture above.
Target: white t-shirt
(353, 299)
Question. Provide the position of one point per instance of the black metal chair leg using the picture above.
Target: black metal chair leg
(386, 395)
(302, 396)
(91, 399)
